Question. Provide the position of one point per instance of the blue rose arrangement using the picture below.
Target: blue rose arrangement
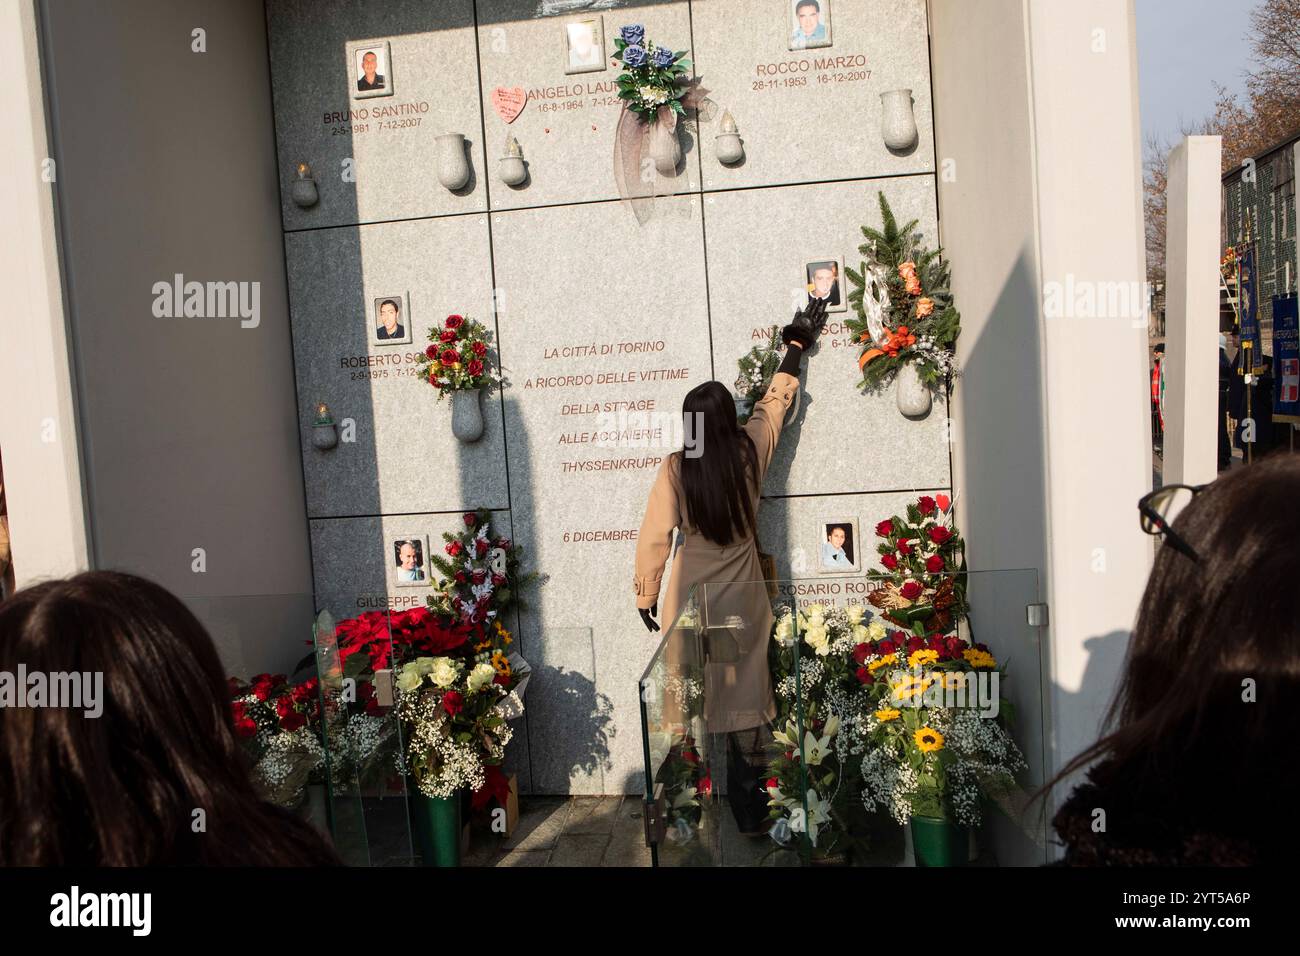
(654, 76)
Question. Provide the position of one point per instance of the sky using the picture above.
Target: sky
(1184, 48)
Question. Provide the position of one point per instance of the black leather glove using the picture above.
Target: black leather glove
(806, 325)
(651, 624)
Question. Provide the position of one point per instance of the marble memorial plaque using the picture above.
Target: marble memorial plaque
(602, 335)
(403, 458)
(356, 565)
(812, 114)
(841, 440)
(566, 130)
(355, 572)
(373, 151)
(793, 530)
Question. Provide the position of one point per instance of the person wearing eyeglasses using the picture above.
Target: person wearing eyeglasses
(1197, 765)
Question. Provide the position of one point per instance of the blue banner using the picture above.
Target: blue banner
(1286, 359)
(1246, 291)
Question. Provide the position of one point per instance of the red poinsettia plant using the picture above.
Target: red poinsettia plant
(458, 356)
(922, 587)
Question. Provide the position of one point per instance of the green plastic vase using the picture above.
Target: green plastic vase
(435, 825)
(938, 842)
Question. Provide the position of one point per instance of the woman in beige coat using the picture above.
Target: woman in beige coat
(710, 491)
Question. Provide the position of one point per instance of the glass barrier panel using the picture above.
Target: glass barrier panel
(755, 738)
(336, 693)
(680, 763)
(283, 712)
(906, 723)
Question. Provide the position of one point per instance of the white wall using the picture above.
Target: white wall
(1087, 149)
(1036, 108)
(1193, 199)
(38, 428)
(189, 426)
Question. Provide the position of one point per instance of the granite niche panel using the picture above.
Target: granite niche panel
(793, 530)
(403, 458)
(566, 128)
(357, 563)
(599, 353)
(812, 114)
(374, 152)
(840, 441)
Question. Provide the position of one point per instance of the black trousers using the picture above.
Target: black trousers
(747, 763)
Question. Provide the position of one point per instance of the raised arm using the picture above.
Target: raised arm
(764, 426)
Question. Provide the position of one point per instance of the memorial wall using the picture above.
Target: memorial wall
(602, 318)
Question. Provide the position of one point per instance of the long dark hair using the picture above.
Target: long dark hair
(121, 789)
(718, 466)
(1211, 635)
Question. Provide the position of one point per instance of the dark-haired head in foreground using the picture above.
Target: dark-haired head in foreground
(121, 789)
(1191, 771)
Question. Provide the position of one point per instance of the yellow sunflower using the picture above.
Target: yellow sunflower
(880, 662)
(928, 739)
(887, 714)
(918, 658)
(910, 687)
(482, 645)
(505, 635)
(952, 681)
(978, 658)
(500, 664)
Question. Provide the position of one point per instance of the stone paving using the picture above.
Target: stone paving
(567, 831)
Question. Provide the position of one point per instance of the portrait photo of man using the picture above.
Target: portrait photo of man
(811, 24)
(409, 554)
(391, 325)
(838, 550)
(584, 46)
(822, 280)
(372, 71)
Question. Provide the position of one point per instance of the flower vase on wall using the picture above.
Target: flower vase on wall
(912, 394)
(466, 415)
(453, 166)
(665, 147)
(897, 120)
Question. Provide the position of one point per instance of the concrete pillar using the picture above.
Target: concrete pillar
(1192, 422)
(1040, 203)
(38, 430)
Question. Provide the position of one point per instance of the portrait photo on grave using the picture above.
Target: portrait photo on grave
(823, 279)
(584, 45)
(810, 24)
(410, 560)
(372, 69)
(837, 547)
(391, 324)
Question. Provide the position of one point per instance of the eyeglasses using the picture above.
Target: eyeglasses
(1158, 508)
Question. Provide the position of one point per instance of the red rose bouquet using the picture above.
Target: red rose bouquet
(278, 724)
(922, 588)
(458, 356)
